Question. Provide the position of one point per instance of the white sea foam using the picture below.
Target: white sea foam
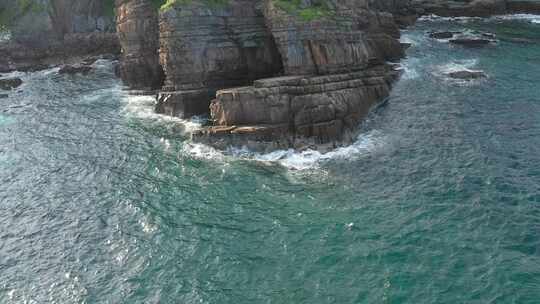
(297, 160)
(142, 107)
(409, 67)
(526, 17)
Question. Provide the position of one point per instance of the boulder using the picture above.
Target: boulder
(75, 69)
(467, 74)
(10, 83)
(443, 35)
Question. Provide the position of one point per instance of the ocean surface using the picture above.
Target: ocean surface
(438, 201)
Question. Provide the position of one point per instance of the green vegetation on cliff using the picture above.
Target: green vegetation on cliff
(172, 3)
(317, 9)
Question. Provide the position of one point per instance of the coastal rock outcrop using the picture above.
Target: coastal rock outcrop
(276, 73)
(138, 32)
(206, 47)
(334, 71)
(467, 74)
(296, 111)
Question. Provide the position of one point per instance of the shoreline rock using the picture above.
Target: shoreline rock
(10, 83)
(75, 69)
(296, 111)
(467, 74)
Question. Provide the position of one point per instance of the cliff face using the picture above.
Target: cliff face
(205, 47)
(138, 33)
(335, 73)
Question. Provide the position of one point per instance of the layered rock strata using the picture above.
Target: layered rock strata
(334, 73)
(138, 32)
(204, 48)
(328, 59)
(296, 111)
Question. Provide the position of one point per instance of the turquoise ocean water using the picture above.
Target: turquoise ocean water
(102, 201)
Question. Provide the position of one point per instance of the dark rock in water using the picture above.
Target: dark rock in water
(489, 35)
(471, 41)
(10, 83)
(2, 96)
(74, 69)
(116, 70)
(442, 35)
(467, 74)
(405, 45)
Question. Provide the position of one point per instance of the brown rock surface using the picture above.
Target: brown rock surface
(352, 38)
(296, 111)
(138, 32)
(205, 48)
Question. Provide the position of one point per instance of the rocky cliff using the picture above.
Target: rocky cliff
(205, 47)
(335, 72)
(276, 73)
(138, 32)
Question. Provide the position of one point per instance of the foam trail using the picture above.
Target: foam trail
(310, 159)
(526, 17)
(142, 107)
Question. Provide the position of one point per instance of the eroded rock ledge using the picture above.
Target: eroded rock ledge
(296, 111)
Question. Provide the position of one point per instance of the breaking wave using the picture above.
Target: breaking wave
(525, 17)
(365, 144)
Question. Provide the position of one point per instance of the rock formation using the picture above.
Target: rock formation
(138, 30)
(335, 73)
(57, 31)
(207, 47)
(278, 73)
(10, 83)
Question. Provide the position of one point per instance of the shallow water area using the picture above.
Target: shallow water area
(438, 201)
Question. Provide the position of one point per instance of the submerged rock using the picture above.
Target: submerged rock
(471, 41)
(467, 74)
(443, 35)
(10, 83)
(75, 69)
(2, 96)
